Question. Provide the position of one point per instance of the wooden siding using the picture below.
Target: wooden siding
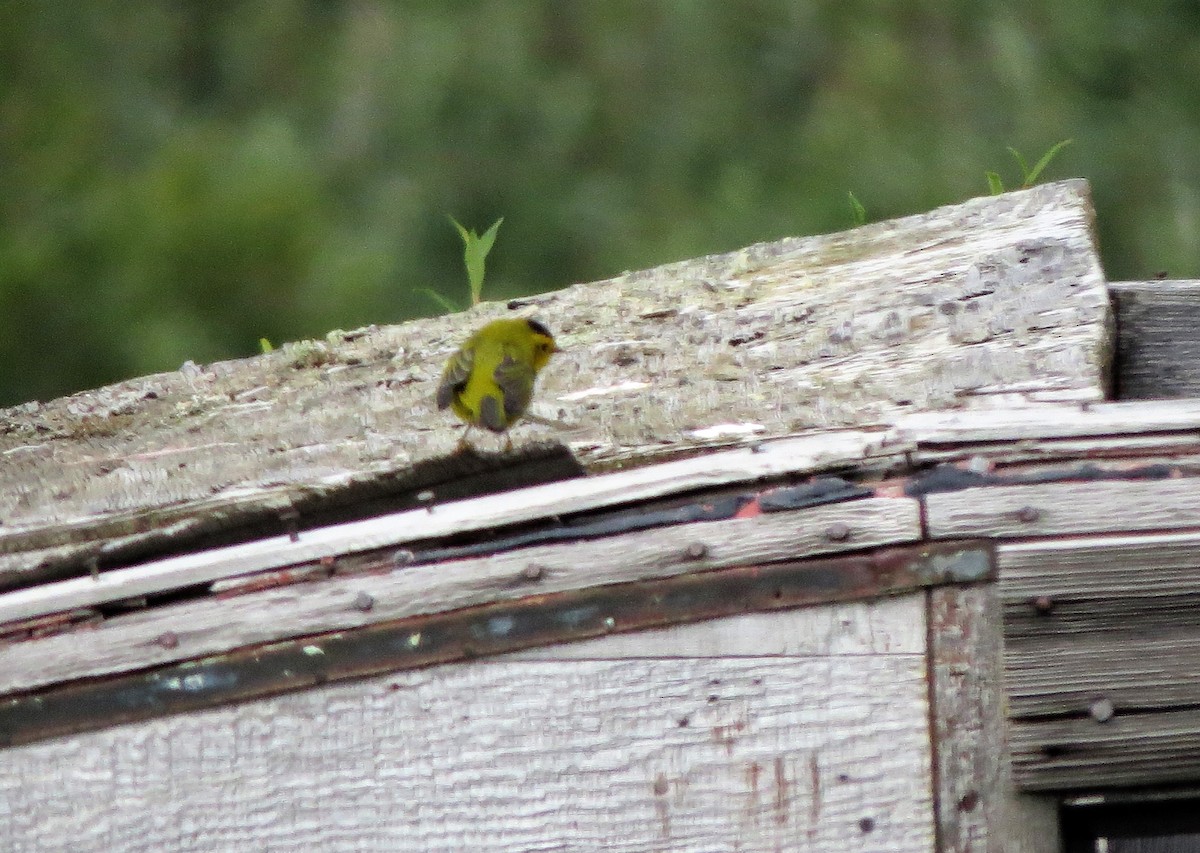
(1103, 656)
(1158, 350)
(816, 740)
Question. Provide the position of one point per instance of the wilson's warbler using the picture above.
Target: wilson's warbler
(489, 381)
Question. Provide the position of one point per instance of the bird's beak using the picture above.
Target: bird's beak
(554, 347)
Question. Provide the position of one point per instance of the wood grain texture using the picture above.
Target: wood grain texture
(1101, 659)
(977, 809)
(457, 517)
(1068, 675)
(1117, 623)
(1056, 509)
(1158, 351)
(884, 626)
(964, 672)
(809, 753)
(217, 625)
(1097, 568)
(996, 299)
(1128, 750)
(1048, 422)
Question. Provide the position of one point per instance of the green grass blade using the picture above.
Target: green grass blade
(1045, 161)
(995, 185)
(857, 211)
(1020, 162)
(446, 305)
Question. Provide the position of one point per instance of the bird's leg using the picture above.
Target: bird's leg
(463, 445)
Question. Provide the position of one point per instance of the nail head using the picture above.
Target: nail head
(837, 532)
(1102, 710)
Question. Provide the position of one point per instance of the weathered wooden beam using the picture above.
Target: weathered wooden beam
(1057, 509)
(1158, 348)
(540, 619)
(976, 806)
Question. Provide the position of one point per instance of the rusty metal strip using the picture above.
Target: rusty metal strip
(538, 620)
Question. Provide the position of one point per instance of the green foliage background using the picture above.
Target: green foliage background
(179, 179)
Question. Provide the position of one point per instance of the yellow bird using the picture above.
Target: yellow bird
(489, 381)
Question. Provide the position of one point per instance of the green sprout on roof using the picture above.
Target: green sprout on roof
(1028, 176)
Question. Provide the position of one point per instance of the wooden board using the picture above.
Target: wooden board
(213, 625)
(1158, 351)
(1099, 568)
(1057, 509)
(1069, 675)
(1110, 619)
(808, 752)
(537, 503)
(977, 808)
(1102, 651)
(993, 301)
(880, 626)
(21, 550)
(1128, 750)
(1048, 422)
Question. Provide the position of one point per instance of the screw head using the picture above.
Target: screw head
(532, 572)
(696, 551)
(1028, 514)
(168, 639)
(364, 602)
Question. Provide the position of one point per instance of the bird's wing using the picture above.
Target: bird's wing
(455, 376)
(515, 378)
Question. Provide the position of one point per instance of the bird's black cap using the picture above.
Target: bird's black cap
(539, 328)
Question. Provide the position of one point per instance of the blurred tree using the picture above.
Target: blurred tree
(180, 179)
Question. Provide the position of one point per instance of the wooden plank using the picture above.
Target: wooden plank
(1057, 509)
(210, 626)
(1120, 672)
(1110, 619)
(1101, 660)
(1176, 448)
(1158, 352)
(1048, 422)
(976, 807)
(1127, 750)
(881, 626)
(457, 517)
(312, 660)
(966, 722)
(1099, 568)
(807, 753)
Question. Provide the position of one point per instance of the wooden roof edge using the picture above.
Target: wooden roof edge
(995, 299)
(923, 438)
